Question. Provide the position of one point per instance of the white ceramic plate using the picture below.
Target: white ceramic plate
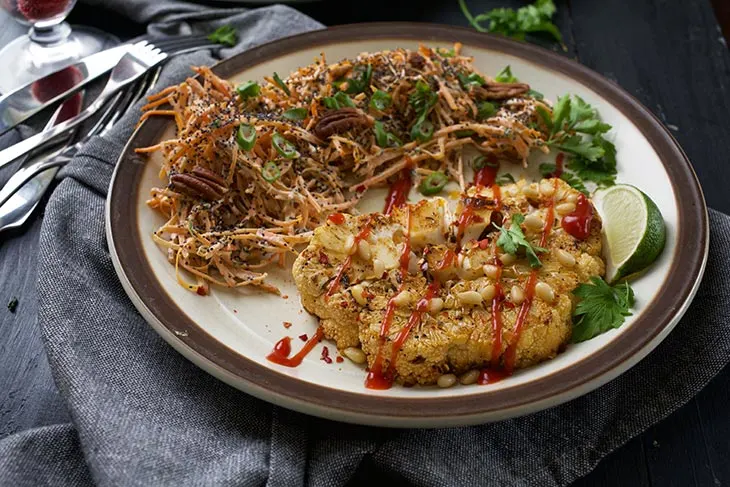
(230, 333)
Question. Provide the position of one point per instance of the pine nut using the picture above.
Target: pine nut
(507, 259)
(565, 258)
(517, 295)
(358, 293)
(355, 355)
(534, 221)
(530, 192)
(446, 380)
(565, 208)
(491, 271)
(466, 263)
(413, 267)
(470, 298)
(435, 305)
(350, 245)
(378, 268)
(363, 249)
(488, 292)
(470, 377)
(547, 188)
(572, 197)
(545, 292)
(403, 298)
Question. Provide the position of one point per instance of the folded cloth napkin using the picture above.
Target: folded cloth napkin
(143, 415)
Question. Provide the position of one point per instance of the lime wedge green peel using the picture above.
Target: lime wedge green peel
(633, 230)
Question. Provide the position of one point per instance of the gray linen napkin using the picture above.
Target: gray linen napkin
(143, 415)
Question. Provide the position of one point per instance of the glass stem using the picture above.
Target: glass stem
(50, 35)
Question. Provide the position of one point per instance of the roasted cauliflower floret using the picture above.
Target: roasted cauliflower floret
(417, 289)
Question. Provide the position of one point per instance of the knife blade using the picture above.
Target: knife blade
(21, 104)
(21, 205)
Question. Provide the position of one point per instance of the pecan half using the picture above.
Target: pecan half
(491, 90)
(340, 121)
(416, 60)
(200, 183)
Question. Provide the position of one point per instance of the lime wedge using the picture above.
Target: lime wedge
(633, 230)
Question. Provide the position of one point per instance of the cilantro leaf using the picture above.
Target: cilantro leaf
(511, 240)
(575, 144)
(505, 178)
(600, 172)
(530, 19)
(601, 308)
(225, 35)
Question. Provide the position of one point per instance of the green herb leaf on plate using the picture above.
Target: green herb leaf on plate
(513, 239)
(601, 308)
(225, 35)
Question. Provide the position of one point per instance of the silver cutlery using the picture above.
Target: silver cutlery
(19, 105)
(25, 189)
(130, 68)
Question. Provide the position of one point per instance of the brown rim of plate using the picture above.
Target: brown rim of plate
(685, 271)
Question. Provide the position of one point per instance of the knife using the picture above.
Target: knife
(21, 205)
(19, 105)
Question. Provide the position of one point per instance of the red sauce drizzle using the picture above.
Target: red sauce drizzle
(336, 218)
(491, 375)
(375, 378)
(487, 175)
(558, 166)
(466, 218)
(511, 352)
(336, 282)
(398, 192)
(448, 260)
(282, 350)
(578, 223)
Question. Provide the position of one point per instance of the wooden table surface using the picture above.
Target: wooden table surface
(670, 54)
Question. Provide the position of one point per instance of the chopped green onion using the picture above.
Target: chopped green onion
(481, 162)
(472, 79)
(338, 101)
(464, 133)
(433, 184)
(383, 138)
(248, 90)
(283, 146)
(380, 100)
(422, 131)
(443, 52)
(359, 83)
(296, 114)
(246, 136)
(535, 94)
(505, 76)
(485, 110)
(270, 171)
(280, 83)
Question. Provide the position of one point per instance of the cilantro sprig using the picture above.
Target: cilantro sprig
(601, 308)
(517, 24)
(225, 35)
(511, 240)
(575, 128)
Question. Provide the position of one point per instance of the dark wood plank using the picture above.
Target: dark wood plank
(712, 406)
(626, 466)
(676, 450)
(722, 12)
(29, 397)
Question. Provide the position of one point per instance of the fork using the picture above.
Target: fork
(23, 191)
(23, 102)
(131, 67)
